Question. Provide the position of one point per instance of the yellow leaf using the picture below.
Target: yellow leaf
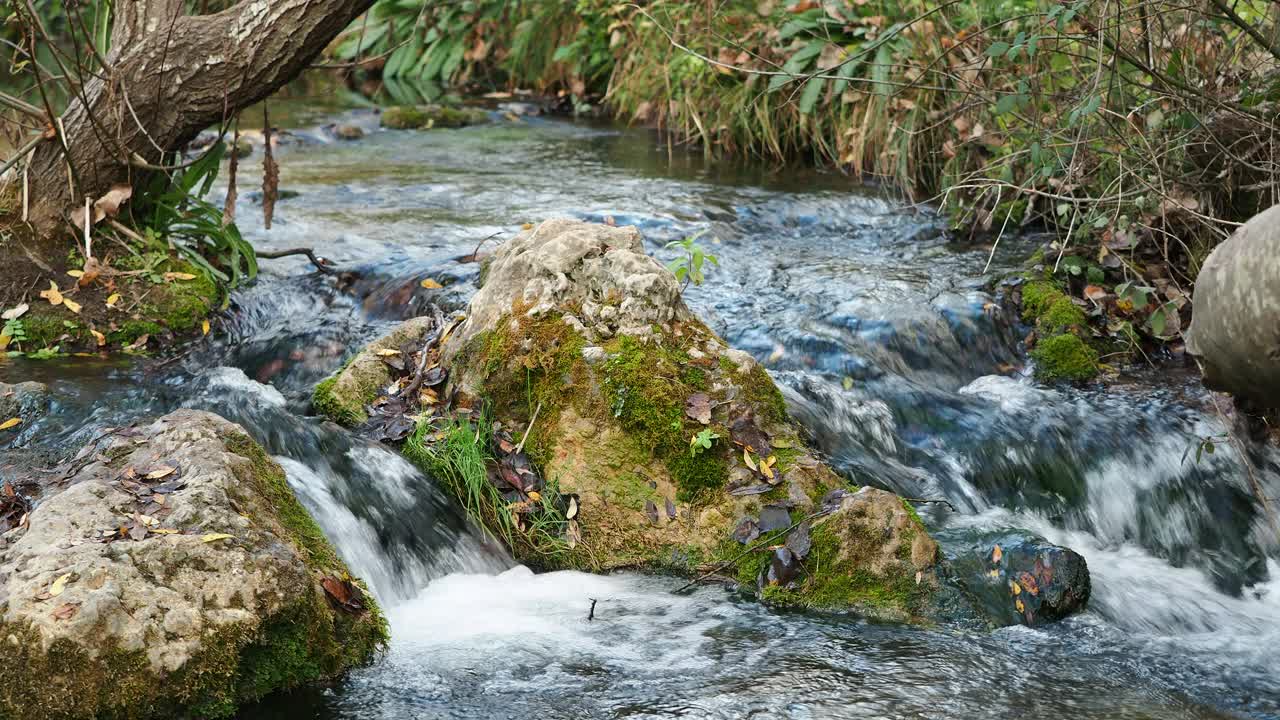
(746, 458)
(773, 460)
(4, 341)
(527, 226)
(113, 299)
(76, 273)
(1014, 587)
(535, 496)
(996, 554)
(1018, 604)
(994, 573)
(164, 531)
(163, 471)
(59, 585)
(385, 352)
(11, 422)
(214, 537)
(431, 284)
(204, 327)
(52, 294)
(102, 339)
(768, 471)
(170, 276)
(71, 305)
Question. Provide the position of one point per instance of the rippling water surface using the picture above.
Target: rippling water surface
(890, 351)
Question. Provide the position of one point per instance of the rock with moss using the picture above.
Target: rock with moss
(422, 117)
(345, 395)
(666, 439)
(1060, 352)
(176, 575)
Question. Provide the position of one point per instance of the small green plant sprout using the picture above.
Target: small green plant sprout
(1203, 446)
(702, 441)
(688, 268)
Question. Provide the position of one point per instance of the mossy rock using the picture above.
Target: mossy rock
(344, 396)
(220, 602)
(1065, 357)
(578, 327)
(1060, 352)
(423, 117)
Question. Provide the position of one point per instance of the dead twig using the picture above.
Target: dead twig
(321, 264)
(532, 420)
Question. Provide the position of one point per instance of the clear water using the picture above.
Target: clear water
(890, 352)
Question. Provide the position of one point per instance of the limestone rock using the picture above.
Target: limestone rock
(1235, 329)
(344, 395)
(219, 602)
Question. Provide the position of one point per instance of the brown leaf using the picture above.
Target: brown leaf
(1095, 293)
(66, 611)
(996, 554)
(270, 176)
(53, 295)
(698, 407)
(345, 594)
(92, 269)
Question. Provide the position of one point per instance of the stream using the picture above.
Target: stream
(890, 351)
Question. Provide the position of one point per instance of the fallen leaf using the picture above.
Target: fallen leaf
(1018, 604)
(430, 284)
(170, 276)
(92, 269)
(996, 554)
(214, 537)
(698, 407)
(10, 423)
(71, 305)
(164, 531)
(59, 585)
(113, 299)
(385, 352)
(1093, 292)
(204, 327)
(1014, 587)
(102, 339)
(162, 471)
(535, 496)
(52, 294)
(746, 458)
(77, 274)
(768, 471)
(15, 312)
(66, 611)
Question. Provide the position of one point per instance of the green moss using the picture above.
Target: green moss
(1037, 297)
(760, 390)
(407, 117)
(646, 391)
(131, 330)
(1062, 314)
(327, 403)
(45, 329)
(838, 575)
(1065, 357)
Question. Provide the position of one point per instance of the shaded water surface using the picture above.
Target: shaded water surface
(890, 351)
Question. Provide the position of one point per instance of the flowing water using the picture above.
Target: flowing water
(890, 350)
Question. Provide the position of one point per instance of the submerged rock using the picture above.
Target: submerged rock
(1235, 330)
(344, 396)
(176, 575)
(422, 117)
(24, 400)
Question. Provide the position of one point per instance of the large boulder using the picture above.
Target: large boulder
(676, 450)
(1235, 329)
(175, 575)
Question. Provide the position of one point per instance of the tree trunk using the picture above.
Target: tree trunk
(171, 76)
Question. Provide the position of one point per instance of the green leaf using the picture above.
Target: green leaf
(997, 49)
(1006, 104)
(812, 91)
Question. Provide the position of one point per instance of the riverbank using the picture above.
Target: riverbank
(1008, 115)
